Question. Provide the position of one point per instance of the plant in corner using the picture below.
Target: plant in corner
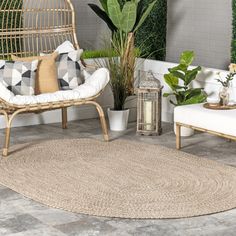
(124, 22)
(179, 79)
(119, 83)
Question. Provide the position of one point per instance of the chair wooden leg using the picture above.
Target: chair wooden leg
(9, 120)
(7, 142)
(103, 121)
(64, 118)
(178, 136)
(7, 133)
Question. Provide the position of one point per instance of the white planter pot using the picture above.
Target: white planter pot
(131, 104)
(185, 132)
(118, 120)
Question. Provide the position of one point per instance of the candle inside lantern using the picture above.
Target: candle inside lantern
(148, 115)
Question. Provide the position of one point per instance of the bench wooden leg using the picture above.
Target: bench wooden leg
(64, 117)
(178, 136)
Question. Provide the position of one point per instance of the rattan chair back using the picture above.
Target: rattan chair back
(28, 27)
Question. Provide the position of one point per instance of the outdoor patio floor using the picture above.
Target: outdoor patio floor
(20, 216)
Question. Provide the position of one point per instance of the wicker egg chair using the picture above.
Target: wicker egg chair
(30, 27)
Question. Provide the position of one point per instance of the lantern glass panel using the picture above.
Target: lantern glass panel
(148, 109)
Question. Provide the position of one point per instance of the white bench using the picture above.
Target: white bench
(217, 122)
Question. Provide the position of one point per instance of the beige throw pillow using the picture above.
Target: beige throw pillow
(46, 77)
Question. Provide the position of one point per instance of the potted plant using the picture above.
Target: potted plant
(179, 79)
(119, 83)
(123, 23)
(118, 116)
(224, 93)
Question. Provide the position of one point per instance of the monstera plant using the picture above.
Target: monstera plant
(179, 79)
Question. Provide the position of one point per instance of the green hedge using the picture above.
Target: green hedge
(92, 54)
(151, 37)
(153, 32)
(233, 51)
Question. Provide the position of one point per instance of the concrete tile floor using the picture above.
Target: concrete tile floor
(20, 216)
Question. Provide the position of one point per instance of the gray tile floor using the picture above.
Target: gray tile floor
(20, 216)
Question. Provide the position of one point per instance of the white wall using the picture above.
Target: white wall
(91, 30)
(203, 26)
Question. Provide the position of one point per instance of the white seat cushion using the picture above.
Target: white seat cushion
(221, 121)
(93, 85)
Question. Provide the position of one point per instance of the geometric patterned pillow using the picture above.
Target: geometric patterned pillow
(19, 77)
(69, 70)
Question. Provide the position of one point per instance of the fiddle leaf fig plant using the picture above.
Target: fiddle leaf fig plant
(179, 80)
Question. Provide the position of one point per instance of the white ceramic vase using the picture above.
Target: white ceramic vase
(118, 120)
(185, 132)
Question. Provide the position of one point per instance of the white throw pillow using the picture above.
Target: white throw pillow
(65, 47)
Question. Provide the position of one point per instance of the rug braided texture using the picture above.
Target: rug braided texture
(119, 179)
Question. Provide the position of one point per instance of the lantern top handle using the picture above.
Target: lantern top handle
(148, 80)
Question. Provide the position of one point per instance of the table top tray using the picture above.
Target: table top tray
(217, 106)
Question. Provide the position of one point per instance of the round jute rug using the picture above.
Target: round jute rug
(119, 179)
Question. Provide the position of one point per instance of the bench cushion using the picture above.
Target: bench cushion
(94, 84)
(221, 121)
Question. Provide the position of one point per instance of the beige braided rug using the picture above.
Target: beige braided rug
(119, 179)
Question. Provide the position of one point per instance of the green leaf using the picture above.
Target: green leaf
(145, 15)
(115, 12)
(192, 92)
(187, 58)
(180, 67)
(165, 95)
(195, 99)
(191, 75)
(103, 15)
(171, 80)
(129, 14)
(104, 5)
(178, 74)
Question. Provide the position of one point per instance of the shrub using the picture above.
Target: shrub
(151, 37)
(93, 54)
